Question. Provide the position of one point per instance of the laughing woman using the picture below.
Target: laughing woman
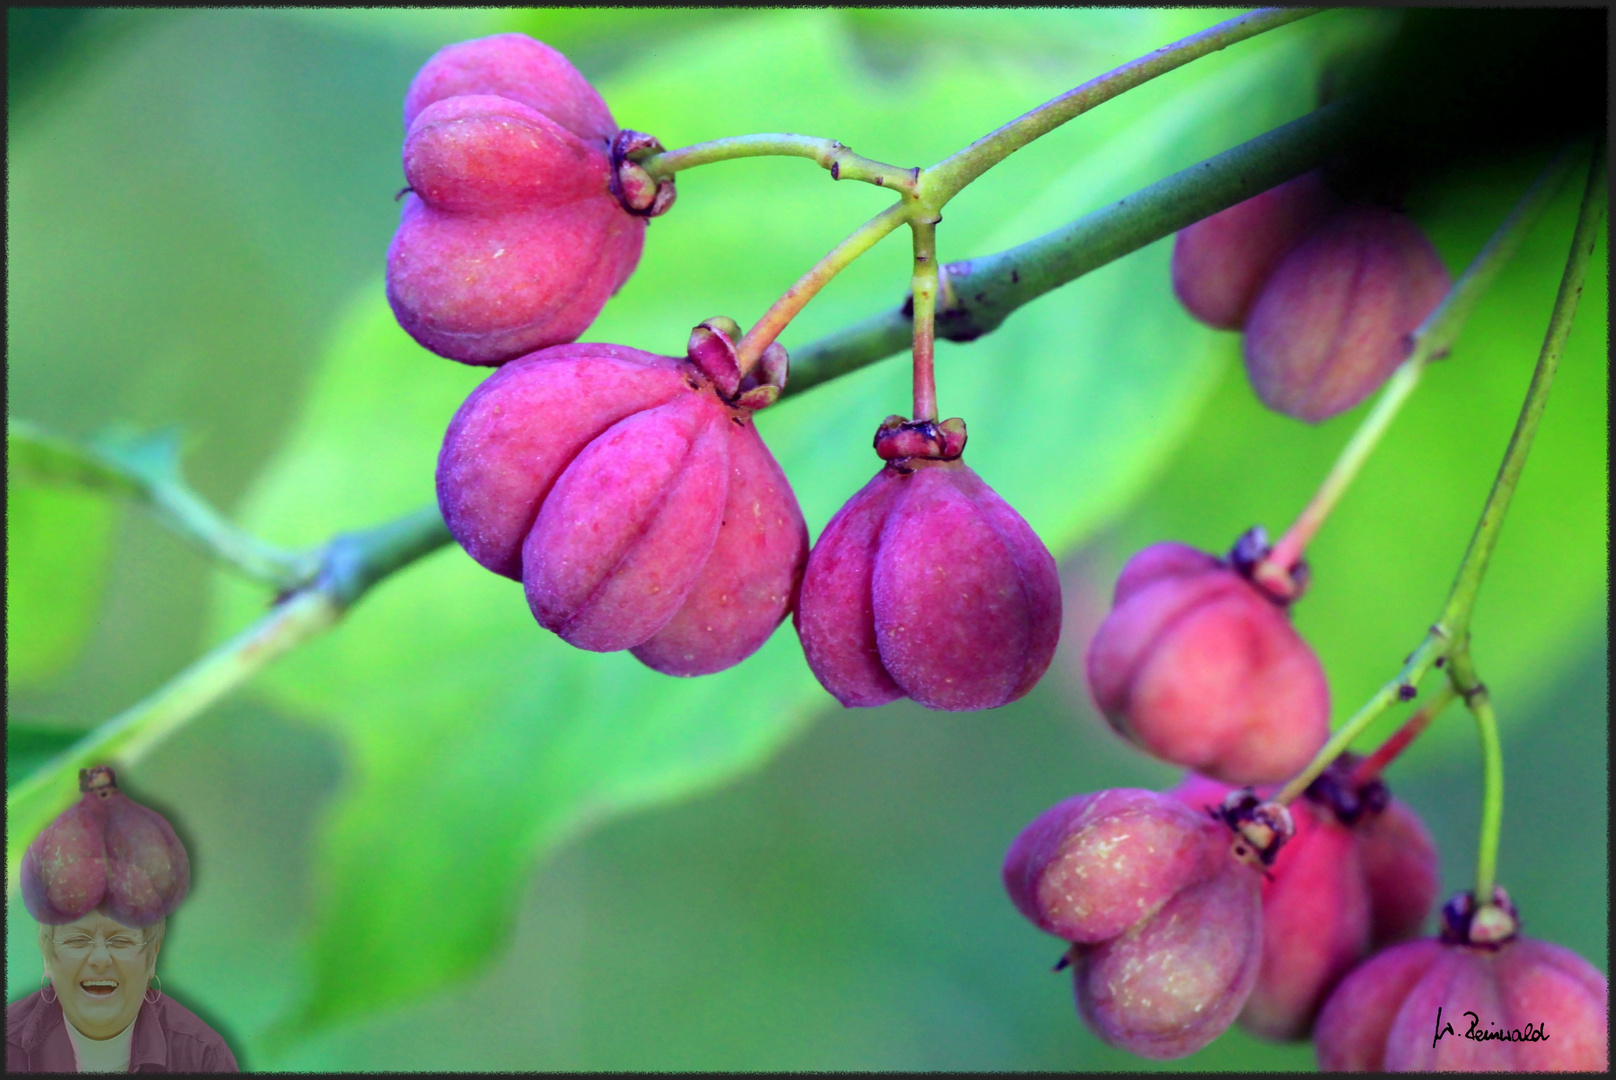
(96, 1010)
(102, 880)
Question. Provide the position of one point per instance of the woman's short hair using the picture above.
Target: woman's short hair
(151, 936)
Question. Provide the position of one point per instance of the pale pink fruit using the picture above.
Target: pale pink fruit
(1196, 665)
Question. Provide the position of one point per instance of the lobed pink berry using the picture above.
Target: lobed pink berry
(1221, 263)
(1326, 899)
(511, 238)
(1198, 666)
(1513, 1004)
(1332, 321)
(1165, 919)
(926, 584)
(631, 495)
(108, 853)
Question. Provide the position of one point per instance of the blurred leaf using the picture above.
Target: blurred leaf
(1383, 564)
(34, 455)
(479, 742)
(28, 746)
(58, 542)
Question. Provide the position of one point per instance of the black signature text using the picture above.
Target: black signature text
(1476, 1033)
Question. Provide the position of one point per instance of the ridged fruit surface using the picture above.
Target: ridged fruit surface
(1331, 323)
(1551, 1003)
(633, 499)
(1197, 666)
(927, 585)
(510, 238)
(108, 853)
(1165, 921)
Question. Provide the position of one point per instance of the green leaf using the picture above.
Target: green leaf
(58, 544)
(34, 455)
(477, 741)
(28, 746)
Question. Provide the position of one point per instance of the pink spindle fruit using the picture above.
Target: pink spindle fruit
(632, 497)
(1507, 1003)
(1198, 666)
(1221, 263)
(928, 585)
(1164, 917)
(1332, 321)
(511, 237)
(1327, 902)
(105, 852)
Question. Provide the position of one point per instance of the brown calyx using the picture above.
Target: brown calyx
(634, 189)
(1260, 828)
(1487, 926)
(898, 441)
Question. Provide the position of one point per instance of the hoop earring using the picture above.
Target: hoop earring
(147, 995)
(44, 984)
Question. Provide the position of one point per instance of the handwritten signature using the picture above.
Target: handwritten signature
(1520, 1034)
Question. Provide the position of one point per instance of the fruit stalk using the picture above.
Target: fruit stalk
(948, 177)
(1462, 675)
(1370, 768)
(1430, 341)
(1000, 283)
(1462, 599)
(925, 305)
(765, 330)
(1461, 602)
(828, 154)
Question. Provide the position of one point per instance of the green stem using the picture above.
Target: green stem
(829, 154)
(1282, 559)
(980, 293)
(947, 178)
(351, 565)
(1462, 599)
(1468, 685)
(1414, 669)
(126, 738)
(1429, 341)
(766, 329)
(148, 469)
(1372, 766)
(924, 292)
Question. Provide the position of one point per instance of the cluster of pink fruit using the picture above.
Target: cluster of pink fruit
(105, 853)
(632, 496)
(1207, 905)
(630, 492)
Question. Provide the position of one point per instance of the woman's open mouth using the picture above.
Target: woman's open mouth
(99, 987)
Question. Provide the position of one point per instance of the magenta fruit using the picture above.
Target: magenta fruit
(1164, 918)
(511, 237)
(105, 853)
(928, 585)
(631, 495)
(1537, 1007)
(1324, 907)
(1198, 666)
(1332, 322)
(1221, 263)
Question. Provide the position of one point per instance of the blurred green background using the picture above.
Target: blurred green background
(437, 838)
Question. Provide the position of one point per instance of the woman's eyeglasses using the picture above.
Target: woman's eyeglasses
(78, 946)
